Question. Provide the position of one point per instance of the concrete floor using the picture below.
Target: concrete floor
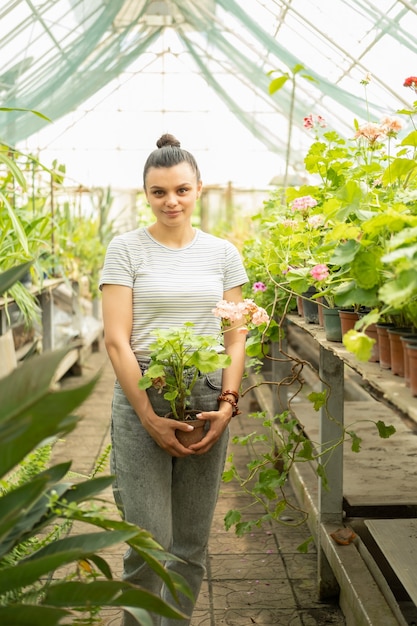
(259, 578)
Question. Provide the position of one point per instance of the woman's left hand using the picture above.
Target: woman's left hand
(219, 421)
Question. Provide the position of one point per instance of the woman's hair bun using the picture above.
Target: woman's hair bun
(168, 140)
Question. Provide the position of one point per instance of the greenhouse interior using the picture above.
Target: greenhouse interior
(284, 179)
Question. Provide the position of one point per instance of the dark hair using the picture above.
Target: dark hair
(168, 154)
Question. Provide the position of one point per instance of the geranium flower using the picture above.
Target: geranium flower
(315, 220)
(320, 272)
(391, 124)
(372, 132)
(411, 81)
(303, 203)
(259, 286)
(311, 120)
(247, 312)
(289, 223)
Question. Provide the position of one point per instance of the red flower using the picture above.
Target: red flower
(411, 81)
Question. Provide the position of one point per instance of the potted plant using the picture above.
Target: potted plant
(179, 357)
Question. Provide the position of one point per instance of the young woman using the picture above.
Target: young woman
(159, 277)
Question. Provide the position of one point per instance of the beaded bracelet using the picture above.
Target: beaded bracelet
(223, 397)
(228, 392)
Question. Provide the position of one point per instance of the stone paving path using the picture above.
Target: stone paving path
(258, 579)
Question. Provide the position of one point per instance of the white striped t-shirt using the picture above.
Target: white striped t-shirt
(172, 286)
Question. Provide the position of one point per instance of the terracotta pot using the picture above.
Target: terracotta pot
(332, 325)
(348, 320)
(187, 438)
(384, 345)
(408, 339)
(397, 350)
(300, 306)
(412, 355)
(371, 331)
(310, 307)
(321, 311)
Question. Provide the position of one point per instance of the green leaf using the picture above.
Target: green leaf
(231, 518)
(303, 547)
(398, 168)
(318, 398)
(209, 361)
(31, 499)
(41, 115)
(385, 431)
(359, 344)
(321, 473)
(56, 554)
(31, 615)
(366, 268)
(306, 451)
(345, 253)
(16, 223)
(356, 441)
(12, 275)
(32, 414)
(228, 475)
(277, 83)
(401, 290)
(107, 593)
(410, 139)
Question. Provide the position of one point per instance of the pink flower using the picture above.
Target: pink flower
(259, 286)
(289, 223)
(372, 132)
(315, 220)
(310, 121)
(320, 272)
(391, 124)
(246, 312)
(303, 204)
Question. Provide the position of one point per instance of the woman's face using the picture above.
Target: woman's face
(172, 193)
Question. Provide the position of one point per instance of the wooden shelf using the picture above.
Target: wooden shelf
(381, 384)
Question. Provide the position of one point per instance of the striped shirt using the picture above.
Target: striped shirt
(172, 286)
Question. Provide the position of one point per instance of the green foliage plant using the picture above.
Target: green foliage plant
(179, 355)
(31, 593)
(350, 233)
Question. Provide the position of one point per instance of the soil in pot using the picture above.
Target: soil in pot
(187, 438)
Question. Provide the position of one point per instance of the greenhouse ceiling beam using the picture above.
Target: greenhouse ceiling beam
(356, 104)
(356, 61)
(258, 130)
(409, 6)
(252, 72)
(44, 26)
(96, 68)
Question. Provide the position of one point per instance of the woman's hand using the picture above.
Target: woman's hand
(219, 421)
(162, 430)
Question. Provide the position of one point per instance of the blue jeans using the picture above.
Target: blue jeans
(173, 498)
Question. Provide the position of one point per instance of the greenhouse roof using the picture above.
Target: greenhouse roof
(114, 75)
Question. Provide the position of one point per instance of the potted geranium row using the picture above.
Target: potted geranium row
(179, 357)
